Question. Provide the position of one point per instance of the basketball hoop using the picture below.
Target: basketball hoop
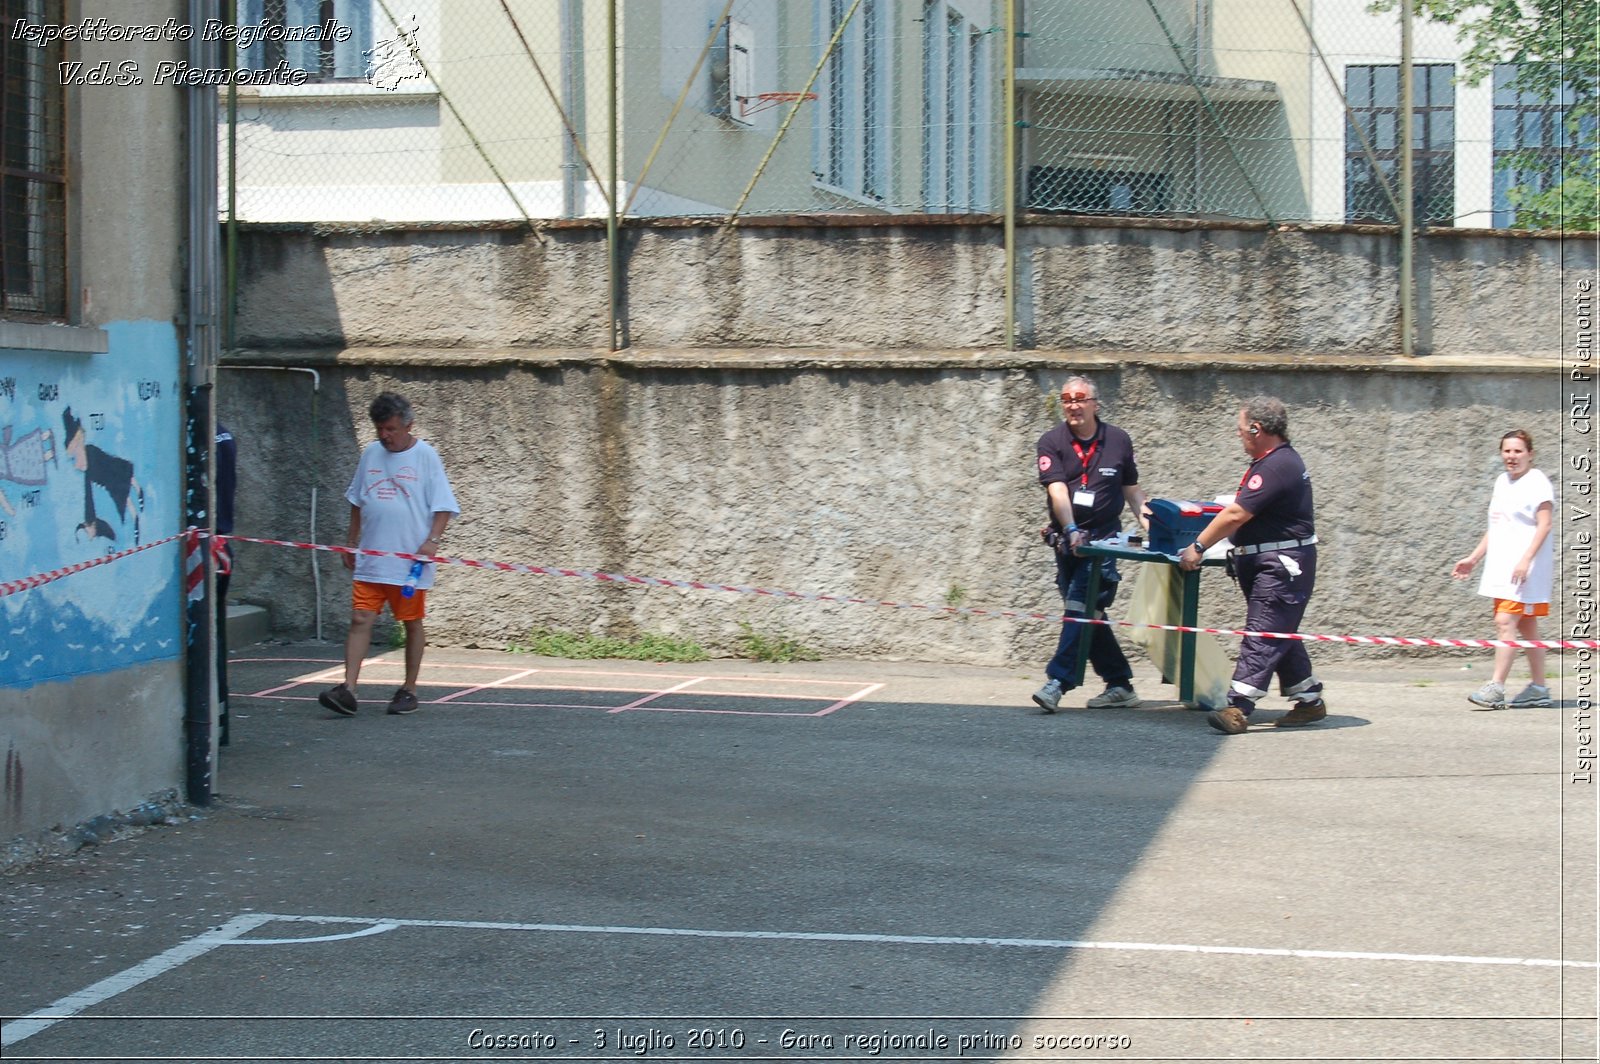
(763, 101)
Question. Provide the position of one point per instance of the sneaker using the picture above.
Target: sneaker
(1302, 714)
(403, 702)
(1490, 696)
(1532, 697)
(340, 700)
(1115, 696)
(1229, 720)
(1049, 696)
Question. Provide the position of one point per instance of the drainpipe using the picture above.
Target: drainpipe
(230, 303)
(201, 343)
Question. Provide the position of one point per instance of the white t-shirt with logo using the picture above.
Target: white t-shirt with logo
(1512, 511)
(398, 493)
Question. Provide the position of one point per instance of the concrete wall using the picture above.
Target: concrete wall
(821, 409)
(907, 478)
(932, 285)
(91, 692)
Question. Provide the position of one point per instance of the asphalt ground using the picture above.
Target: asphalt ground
(561, 860)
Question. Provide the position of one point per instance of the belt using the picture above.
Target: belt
(1282, 544)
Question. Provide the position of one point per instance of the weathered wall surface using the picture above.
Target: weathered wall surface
(1295, 291)
(812, 407)
(907, 478)
(91, 666)
(871, 285)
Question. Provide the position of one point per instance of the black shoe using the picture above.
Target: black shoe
(403, 702)
(340, 700)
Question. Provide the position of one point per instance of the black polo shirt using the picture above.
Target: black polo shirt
(1277, 490)
(1103, 464)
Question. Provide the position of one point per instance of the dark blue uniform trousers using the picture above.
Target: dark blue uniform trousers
(1275, 601)
(1072, 580)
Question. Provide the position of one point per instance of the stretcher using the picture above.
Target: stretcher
(1164, 594)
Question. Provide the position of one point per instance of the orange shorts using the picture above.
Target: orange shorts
(1527, 609)
(373, 597)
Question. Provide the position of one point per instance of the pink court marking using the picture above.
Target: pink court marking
(504, 680)
(647, 686)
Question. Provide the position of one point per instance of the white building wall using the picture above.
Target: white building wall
(1349, 35)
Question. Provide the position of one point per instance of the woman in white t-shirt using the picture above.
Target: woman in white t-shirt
(1519, 571)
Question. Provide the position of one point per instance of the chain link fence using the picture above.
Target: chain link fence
(1259, 110)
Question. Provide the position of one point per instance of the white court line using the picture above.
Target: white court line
(945, 940)
(111, 986)
(231, 934)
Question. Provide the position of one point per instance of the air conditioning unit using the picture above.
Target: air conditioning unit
(732, 72)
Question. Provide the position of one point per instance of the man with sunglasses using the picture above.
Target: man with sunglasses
(1089, 474)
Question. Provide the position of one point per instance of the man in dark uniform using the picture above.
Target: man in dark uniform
(1275, 559)
(225, 481)
(1088, 472)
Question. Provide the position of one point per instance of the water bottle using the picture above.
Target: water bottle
(409, 588)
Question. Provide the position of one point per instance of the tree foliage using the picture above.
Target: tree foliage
(1556, 44)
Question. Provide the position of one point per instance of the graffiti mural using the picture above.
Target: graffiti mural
(112, 475)
(89, 466)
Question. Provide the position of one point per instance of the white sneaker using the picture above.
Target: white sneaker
(1048, 697)
(1490, 696)
(1533, 696)
(1115, 698)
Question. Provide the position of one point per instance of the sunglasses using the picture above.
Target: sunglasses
(1077, 397)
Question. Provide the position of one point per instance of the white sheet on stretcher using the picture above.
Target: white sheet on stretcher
(1158, 599)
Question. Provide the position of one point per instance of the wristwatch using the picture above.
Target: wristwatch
(1199, 548)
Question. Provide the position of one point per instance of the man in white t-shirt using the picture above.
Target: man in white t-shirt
(400, 500)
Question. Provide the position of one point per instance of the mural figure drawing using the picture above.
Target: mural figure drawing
(111, 474)
(22, 460)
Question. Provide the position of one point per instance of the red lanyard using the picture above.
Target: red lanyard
(1085, 459)
(1251, 466)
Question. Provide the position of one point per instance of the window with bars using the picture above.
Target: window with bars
(33, 172)
(1538, 138)
(1373, 93)
(344, 29)
(854, 128)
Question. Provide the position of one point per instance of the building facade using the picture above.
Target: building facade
(92, 413)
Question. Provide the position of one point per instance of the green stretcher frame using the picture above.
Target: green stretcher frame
(1190, 610)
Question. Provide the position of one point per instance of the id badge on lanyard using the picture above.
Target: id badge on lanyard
(1084, 495)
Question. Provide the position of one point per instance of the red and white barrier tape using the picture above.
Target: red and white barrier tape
(193, 571)
(11, 587)
(967, 611)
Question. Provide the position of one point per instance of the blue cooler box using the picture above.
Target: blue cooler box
(1176, 523)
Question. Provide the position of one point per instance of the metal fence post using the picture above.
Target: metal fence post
(1010, 120)
(1408, 200)
(613, 234)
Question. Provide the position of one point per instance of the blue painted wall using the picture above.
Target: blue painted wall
(90, 466)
